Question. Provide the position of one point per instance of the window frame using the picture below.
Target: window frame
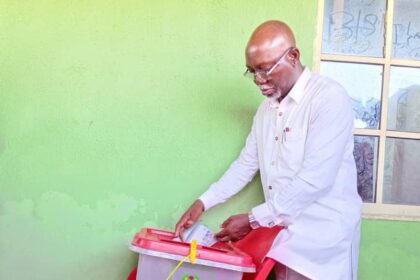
(376, 209)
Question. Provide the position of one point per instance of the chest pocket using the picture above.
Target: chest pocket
(292, 148)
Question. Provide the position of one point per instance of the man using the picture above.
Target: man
(301, 141)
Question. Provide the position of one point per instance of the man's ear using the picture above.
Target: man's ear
(294, 56)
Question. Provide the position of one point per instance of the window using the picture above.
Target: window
(372, 47)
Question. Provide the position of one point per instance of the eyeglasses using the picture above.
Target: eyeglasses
(265, 74)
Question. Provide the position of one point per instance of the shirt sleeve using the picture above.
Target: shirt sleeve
(329, 137)
(240, 172)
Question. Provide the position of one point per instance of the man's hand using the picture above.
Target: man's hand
(234, 228)
(189, 218)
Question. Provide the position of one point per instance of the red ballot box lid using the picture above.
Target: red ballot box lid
(162, 241)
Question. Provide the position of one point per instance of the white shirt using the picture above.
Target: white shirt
(303, 148)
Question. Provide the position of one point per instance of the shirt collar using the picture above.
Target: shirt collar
(297, 92)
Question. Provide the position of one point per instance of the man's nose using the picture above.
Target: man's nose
(258, 80)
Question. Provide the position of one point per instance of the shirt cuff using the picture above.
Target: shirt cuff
(266, 217)
(209, 200)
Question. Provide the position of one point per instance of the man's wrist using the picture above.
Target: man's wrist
(203, 207)
(253, 223)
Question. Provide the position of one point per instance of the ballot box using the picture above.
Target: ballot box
(162, 257)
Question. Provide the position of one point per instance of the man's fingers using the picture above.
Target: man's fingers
(186, 225)
(225, 239)
(177, 229)
(181, 233)
(181, 224)
(189, 218)
(221, 234)
(225, 223)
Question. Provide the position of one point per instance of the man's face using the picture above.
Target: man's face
(276, 62)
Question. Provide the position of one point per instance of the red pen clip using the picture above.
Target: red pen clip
(285, 130)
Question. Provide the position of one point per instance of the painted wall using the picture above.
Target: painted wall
(115, 115)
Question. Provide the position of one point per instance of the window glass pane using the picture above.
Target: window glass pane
(404, 99)
(406, 30)
(363, 82)
(354, 27)
(366, 156)
(402, 172)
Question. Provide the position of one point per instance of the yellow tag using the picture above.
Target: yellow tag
(193, 251)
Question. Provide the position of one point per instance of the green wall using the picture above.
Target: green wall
(115, 115)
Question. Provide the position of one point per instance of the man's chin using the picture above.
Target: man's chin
(274, 95)
(268, 92)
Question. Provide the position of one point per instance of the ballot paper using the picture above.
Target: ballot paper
(201, 233)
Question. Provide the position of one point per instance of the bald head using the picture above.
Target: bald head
(271, 36)
(271, 55)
